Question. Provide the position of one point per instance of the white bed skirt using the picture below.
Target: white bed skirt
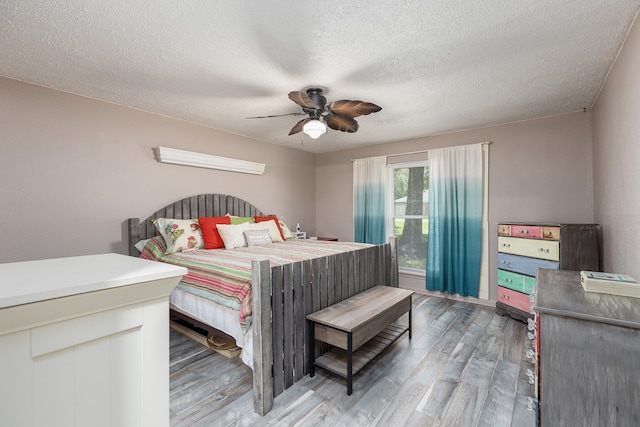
(220, 317)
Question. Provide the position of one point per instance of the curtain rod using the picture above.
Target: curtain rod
(424, 151)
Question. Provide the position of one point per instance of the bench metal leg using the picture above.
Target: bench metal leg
(410, 310)
(349, 363)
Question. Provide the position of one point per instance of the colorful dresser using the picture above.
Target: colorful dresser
(525, 247)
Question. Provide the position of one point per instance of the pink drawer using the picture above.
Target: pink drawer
(515, 299)
(527, 231)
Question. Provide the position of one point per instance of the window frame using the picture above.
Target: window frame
(390, 214)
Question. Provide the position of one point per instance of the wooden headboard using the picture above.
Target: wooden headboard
(201, 205)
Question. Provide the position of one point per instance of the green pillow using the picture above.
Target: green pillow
(241, 219)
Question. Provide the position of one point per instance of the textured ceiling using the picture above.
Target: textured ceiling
(433, 66)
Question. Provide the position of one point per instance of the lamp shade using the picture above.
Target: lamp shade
(314, 128)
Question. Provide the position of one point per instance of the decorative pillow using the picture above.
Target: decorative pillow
(270, 225)
(257, 237)
(240, 219)
(286, 232)
(232, 234)
(269, 218)
(179, 234)
(154, 249)
(212, 239)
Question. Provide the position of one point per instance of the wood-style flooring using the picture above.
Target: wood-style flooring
(464, 366)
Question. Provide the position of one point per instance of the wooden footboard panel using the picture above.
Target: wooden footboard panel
(299, 289)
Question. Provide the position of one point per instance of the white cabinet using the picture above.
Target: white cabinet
(85, 341)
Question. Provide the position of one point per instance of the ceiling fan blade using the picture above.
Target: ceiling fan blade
(277, 115)
(353, 108)
(298, 127)
(302, 99)
(341, 123)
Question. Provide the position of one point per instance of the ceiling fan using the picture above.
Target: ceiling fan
(338, 115)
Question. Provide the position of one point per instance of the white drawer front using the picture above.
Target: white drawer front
(543, 249)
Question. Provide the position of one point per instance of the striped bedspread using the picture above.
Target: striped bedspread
(224, 276)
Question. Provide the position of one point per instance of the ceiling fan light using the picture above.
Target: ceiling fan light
(314, 128)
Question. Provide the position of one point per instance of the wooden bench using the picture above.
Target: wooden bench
(359, 328)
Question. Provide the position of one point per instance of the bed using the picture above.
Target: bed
(276, 293)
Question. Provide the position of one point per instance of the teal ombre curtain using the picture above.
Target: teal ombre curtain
(369, 203)
(455, 220)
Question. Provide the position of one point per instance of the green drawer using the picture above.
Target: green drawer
(529, 285)
(510, 280)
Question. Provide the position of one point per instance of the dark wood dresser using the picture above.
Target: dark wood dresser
(587, 354)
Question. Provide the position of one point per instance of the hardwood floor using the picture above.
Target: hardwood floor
(464, 366)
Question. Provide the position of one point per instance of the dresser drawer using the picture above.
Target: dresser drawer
(526, 231)
(516, 282)
(510, 280)
(528, 285)
(547, 232)
(524, 265)
(543, 249)
(515, 299)
(504, 230)
(551, 233)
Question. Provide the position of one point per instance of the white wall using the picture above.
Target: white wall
(616, 161)
(72, 170)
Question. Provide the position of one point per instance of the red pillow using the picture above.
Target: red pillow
(210, 235)
(269, 218)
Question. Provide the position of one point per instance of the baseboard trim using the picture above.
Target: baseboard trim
(423, 291)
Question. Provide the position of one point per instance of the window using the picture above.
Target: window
(408, 213)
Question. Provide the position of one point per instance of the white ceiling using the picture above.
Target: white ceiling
(433, 66)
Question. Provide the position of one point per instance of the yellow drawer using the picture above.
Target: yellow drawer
(543, 249)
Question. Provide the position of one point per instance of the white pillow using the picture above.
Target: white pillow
(141, 244)
(270, 225)
(257, 237)
(233, 234)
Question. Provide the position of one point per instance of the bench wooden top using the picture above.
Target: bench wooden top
(356, 311)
